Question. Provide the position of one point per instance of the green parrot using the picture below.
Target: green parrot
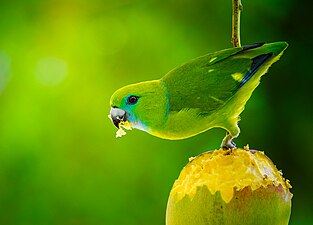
(206, 92)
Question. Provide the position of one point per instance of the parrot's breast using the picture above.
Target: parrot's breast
(184, 124)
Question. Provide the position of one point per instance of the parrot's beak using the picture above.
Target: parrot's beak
(118, 116)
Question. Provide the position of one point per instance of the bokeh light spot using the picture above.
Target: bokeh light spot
(51, 71)
(5, 65)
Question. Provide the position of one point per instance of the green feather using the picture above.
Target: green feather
(208, 82)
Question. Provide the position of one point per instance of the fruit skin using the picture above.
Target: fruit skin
(262, 206)
(266, 205)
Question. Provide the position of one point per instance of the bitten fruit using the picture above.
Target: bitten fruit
(228, 187)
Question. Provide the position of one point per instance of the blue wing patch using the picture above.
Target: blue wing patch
(257, 62)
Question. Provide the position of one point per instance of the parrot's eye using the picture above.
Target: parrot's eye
(131, 100)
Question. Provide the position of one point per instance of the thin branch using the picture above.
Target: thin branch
(237, 8)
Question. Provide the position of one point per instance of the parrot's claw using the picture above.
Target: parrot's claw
(228, 145)
(228, 142)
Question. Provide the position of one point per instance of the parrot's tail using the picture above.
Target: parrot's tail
(262, 56)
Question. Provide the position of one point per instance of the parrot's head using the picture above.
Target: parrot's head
(142, 106)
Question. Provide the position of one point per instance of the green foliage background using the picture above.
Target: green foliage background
(60, 61)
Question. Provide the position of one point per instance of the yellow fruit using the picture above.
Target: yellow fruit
(235, 186)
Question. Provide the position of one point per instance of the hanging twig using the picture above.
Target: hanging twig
(237, 8)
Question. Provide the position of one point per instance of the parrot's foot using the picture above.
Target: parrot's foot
(228, 142)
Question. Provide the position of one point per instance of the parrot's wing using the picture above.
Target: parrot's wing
(208, 82)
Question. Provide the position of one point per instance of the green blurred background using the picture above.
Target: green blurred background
(60, 61)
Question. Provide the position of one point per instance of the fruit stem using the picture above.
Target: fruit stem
(236, 10)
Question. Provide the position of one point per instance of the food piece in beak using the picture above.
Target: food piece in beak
(119, 119)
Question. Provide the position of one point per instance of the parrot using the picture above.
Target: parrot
(204, 93)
